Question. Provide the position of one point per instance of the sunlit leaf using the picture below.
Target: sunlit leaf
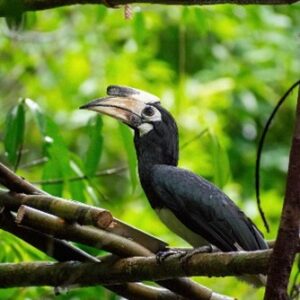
(58, 165)
(51, 170)
(76, 187)
(101, 12)
(14, 132)
(94, 151)
(31, 19)
(221, 166)
(139, 27)
(200, 16)
(131, 156)
(38, 114)
(185, 12)
(59, 149)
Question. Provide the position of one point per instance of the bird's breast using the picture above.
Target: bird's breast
(174, 224)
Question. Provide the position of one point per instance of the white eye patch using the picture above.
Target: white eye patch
(154, 117)
(146, 125)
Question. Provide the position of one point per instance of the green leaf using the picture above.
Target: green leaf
(77, 187)
(221, 166)
(58, 148)
(51, 170)
(94, 151)
(185, 12)
(38, 114)
(14, 132)
(58, 165)
(201, 20)
(15, 21)
(139, 28)
(101, 12)
(131, 156)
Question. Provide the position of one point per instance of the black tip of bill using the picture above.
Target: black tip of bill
(85, 106)
(121, 91)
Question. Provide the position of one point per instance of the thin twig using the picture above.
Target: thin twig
(193, 139)
(106, 172)
(16, 183)
(34, 163)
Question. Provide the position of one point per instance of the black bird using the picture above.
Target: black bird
(189, 205)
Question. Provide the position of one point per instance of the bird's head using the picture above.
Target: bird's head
(155, 129)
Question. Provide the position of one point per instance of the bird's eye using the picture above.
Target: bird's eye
(148, 111)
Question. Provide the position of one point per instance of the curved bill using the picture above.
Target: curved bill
(125, 109)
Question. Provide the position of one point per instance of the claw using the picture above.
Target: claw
(162, 255)
(183, 254)
(203, 249)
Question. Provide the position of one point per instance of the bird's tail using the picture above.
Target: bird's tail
(257, 281)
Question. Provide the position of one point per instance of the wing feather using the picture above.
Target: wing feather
(205, 209)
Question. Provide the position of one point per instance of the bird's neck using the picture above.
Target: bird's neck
(152, 151)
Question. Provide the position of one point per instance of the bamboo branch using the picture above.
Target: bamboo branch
(107, 241)
(143, 238)
(18, 184)
(69, 210)
(286, 244)
(63, 251)
(9, 8)
(59, 250)
(133, 269)
(74, 211)
(97, 238)
(182, 286)
(138, 291)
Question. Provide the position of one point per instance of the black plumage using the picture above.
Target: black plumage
(197, 203)
(188, 204)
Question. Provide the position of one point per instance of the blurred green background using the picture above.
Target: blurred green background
(219, 70)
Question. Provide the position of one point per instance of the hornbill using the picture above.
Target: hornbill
(189, 205)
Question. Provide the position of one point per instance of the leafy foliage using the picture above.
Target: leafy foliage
(14, 134)
(217, 68)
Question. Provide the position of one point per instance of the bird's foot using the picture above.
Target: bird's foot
(162, 255)
(203, 249)
(183, 254)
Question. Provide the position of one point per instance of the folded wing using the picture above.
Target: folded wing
(205, 209)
